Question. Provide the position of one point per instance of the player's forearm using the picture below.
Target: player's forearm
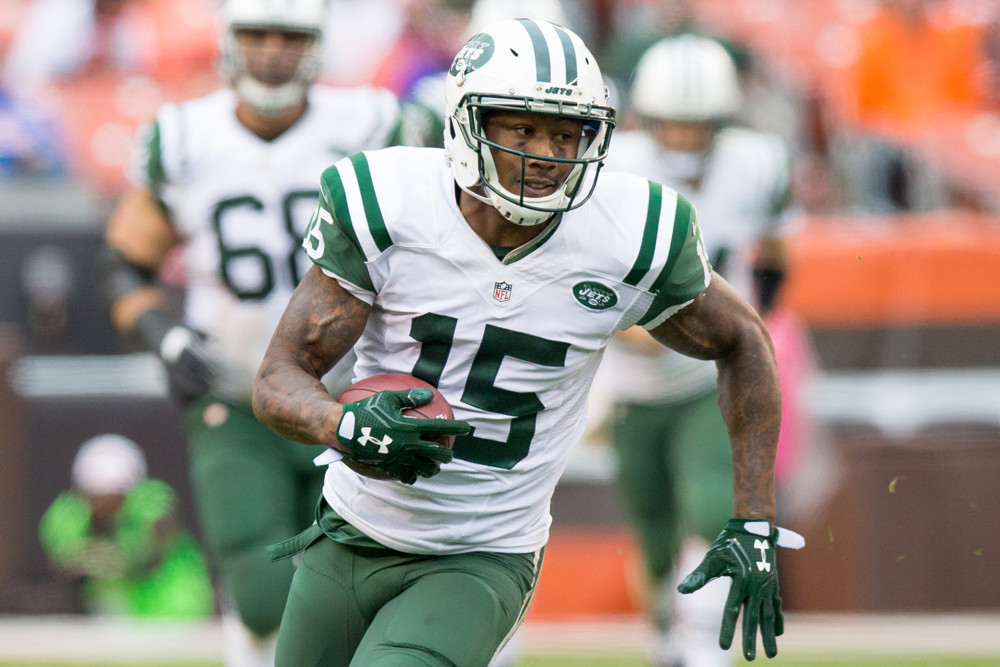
(320, 325)
(750, 400)
(294, 403)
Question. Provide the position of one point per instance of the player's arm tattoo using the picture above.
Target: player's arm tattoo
(722, 326)
(320, 325)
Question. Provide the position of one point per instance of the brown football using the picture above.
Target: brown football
(438, 408)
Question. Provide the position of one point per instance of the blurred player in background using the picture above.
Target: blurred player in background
(118, 530)
(670, 438)
(229, 182)
(497, 270)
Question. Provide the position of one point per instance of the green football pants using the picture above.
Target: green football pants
(251, 488)
(674, 474)
(365, 605)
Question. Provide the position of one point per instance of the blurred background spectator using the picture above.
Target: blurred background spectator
(116, 529)
(431, 34)
(99, 67)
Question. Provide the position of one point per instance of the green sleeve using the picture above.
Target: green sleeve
(686, 272)
(330, 239)
(63, 529)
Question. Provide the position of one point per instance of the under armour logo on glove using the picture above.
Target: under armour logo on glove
(401, 447)
(762, 564)
(366, 437)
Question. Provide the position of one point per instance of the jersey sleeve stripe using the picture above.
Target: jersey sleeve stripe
(373, 213)
(682, 224)
(648, 246)
(664, 300)
(335, 193)
(154, 166)
(543, 64)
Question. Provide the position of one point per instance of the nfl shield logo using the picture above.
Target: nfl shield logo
(501, 292)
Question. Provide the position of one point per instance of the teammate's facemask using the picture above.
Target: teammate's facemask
(525, 65)
(302, 17)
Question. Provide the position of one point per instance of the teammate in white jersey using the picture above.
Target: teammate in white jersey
(670, 439)
(496, 269)
(230, 182)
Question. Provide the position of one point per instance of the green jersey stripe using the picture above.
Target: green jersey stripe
(570, 52)
(155, 171)
(543, 62)
(376, 224)
(648, 246)
(338, 201)
(682, 224)
(683, 215)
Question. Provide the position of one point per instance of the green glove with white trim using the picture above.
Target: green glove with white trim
(744, 551)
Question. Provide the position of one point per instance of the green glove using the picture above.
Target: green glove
(744, 551)
(377, 434)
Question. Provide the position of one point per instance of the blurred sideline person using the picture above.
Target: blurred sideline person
(61, 40)
(117, 529)
(497, 270)
(229, 182)
(670, 438)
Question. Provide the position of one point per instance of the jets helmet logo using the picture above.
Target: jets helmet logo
(476, 53)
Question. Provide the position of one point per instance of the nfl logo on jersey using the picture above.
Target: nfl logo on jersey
(501, 291)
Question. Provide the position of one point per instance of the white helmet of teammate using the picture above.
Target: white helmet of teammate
(525, 65)
(305, 16)
(686, 78)
(108, 463)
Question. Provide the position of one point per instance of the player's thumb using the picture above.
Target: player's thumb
(694, 581)
(417, 396)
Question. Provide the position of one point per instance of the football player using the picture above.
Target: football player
(497, 269)
(671, 441)
(227, 184)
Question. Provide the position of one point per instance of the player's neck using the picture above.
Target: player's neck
(271, 126)
(487, 222)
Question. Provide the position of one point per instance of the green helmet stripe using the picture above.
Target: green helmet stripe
(648, 246)
(570, 52)
(376, 224)
(543, 62)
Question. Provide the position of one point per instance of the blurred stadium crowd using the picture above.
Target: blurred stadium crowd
(889, 105)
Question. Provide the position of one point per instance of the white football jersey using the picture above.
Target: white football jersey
(241, 205)
(513, 345)
(741, 198)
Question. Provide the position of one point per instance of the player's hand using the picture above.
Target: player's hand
(189, 367)
(744, 551)
(376, 434)
(182, 351)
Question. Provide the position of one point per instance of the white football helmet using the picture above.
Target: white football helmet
(304, 16)
(108, 463)
(525, 65)
(686, 78)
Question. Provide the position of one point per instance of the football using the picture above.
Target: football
(438, 408)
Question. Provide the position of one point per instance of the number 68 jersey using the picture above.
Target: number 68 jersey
(513, 344)
(240, 205)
